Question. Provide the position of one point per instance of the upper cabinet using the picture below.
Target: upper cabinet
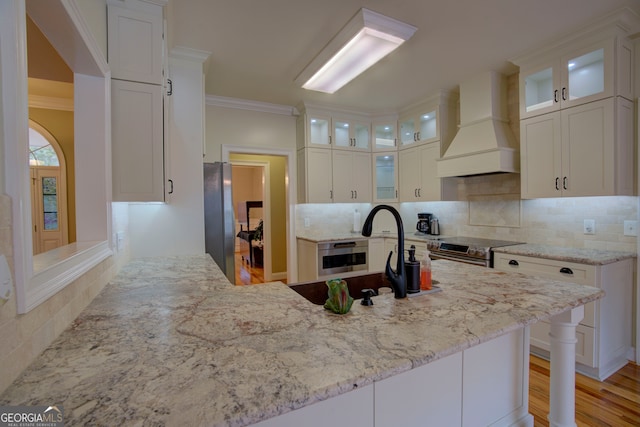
(577, 113)
(351, 134)
(595, 65)
(384, 134)
(137, 59)
(135, 43)
(321, 127)
(419, 126)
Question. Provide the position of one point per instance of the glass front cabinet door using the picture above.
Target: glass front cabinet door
(319, 130)
(385, 169)
(583, 76)
(384, 136)
(351, 134)
(419, 128)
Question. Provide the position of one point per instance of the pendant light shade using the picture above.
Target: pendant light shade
(363, 41)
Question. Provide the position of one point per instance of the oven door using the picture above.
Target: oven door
(341, 257)
(459, 258)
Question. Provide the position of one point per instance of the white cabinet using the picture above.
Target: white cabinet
(483, 385)
(575, 75)
(315, 182)
(385, 134)
(135, 43)
(377, 255)
(580, 151)
(385, 171)
(351, 134)
(137, 57)
(137, 134)
(418, 175)
(351, 176)
(353, 409)
(605, 334)
(419, 126)
(314, 130)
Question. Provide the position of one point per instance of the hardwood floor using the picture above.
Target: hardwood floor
(614, 402)
(245, 274)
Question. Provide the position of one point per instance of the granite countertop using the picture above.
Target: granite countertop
(577, 255)
(171, 342)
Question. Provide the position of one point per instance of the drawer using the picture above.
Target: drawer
(585, 349)
(558, 270)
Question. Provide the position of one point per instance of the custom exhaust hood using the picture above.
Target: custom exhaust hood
(484, 143)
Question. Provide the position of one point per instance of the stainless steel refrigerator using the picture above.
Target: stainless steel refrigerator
(219, 221)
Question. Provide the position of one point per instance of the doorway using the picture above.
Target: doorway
(48, 191)
(277, 224)
(250, 204)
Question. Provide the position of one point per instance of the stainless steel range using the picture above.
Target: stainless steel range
(470, 250)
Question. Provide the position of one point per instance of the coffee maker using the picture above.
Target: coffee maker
(424, 223)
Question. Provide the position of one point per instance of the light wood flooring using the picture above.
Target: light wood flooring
(614, 402)
(245, 274)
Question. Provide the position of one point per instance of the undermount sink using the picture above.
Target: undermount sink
(316, 292)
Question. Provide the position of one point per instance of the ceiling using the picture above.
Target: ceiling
(259, 47)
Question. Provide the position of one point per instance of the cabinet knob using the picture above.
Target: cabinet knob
(566, 270)
(513, 262)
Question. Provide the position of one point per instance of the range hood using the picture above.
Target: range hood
(484, 143)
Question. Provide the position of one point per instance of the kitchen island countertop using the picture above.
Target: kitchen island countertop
(171, 342)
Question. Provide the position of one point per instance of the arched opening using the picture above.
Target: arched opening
(48, 190)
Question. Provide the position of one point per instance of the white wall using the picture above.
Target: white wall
(234, 126)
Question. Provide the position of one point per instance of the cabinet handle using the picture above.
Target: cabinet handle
(564, 183)
(415, 192)
(418, 136)
(331, 194)
(356, 191)
(170, 91)
(555, 95)
(395, 142)
(564, 93)
(566, 270)
(171, 190)
(557, 183)
(329, 139)
(419, 190)
(513, 262)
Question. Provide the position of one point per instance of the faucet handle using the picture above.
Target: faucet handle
(366, 296)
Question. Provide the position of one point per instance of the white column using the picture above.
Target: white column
(562, 398)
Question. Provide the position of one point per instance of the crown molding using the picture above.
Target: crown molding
(244, 104)
(50, 103)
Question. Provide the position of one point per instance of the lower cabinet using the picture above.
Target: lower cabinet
(605, 334)
(483, 385)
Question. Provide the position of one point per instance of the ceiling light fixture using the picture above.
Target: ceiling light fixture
(364, 40)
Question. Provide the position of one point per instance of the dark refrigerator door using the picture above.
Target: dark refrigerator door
(219, 223)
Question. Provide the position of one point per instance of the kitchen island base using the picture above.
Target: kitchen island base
(483, 385)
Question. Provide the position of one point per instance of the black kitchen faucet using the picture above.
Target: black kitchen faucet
(398, 277)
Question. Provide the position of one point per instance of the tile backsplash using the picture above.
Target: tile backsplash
(490, 207)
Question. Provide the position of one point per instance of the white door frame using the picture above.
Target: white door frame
(290, 190)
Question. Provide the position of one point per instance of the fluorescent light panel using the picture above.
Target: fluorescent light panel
(367, 38)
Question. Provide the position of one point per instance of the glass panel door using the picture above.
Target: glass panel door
(50, 203)
(428, 126)
(361, 135)
(407, 132)
(385, 136)
(386, 172)
(539, 90)
(586, 75)
(318, 131)
(341, 134)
